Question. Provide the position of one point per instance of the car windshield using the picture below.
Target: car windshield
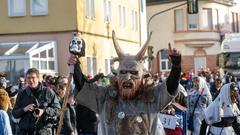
(231, 60)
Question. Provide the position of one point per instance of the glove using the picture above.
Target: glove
(175, 60)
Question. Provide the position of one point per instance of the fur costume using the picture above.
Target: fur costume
(130, 105)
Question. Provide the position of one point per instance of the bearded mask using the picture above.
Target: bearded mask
(130, 71)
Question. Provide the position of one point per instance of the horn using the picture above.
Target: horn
(144, 48)
(116, 45)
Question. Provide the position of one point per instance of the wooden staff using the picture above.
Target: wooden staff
(64, 105)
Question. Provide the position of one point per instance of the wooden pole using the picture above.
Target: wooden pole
(64, 105)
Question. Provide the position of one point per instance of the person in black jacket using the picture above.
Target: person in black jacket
(36, 106)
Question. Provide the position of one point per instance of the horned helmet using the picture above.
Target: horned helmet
(130, 71)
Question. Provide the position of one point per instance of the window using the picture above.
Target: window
(43, 54)
(107, 67)
(142, 6)
(90, 8)
(94, 61)
(120, 15)
(192, 21)
(163, 60)
(39, 7)
(17, 57)
(16, 7)
(133, 23)
(235, 22)
(44, 58)
(207, 19)
(124, 16)
(107, 11)
(215, 19)
(179, 20)
(50, 53)
(136, 21)
(91, 65)
(14, 68)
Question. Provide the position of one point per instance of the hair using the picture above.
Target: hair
(32, 70)
(196, 79)
(218, 80)
(44, 76)
(1, 86)
(4, 100)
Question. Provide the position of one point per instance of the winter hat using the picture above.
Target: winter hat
(4, 100)
(3, 80)
(12, 91)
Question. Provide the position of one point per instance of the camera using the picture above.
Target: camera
(51, 80)
(36, 111)
(37, 108)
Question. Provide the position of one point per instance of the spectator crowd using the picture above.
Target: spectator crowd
(206, 103)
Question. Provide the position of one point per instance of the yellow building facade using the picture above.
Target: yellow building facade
(36, 33)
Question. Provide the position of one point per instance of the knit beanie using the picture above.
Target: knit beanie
(4, 100)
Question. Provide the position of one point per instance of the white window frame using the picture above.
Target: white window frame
(91, 66)
(11, 12)
(136, 21)
(215, 14)
(133, 22)
(124, 16)
(107, 67)
(35, 47)
(90, 9)
(179, 14)
(47, 59)
(93, 15)
(120, 15)
(87, 8)
(197, 22)
(166, 61)
(107, 11)
(207, 17)
(38, 13)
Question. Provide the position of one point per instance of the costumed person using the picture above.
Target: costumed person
(198, 99)
(5, 127)
(129, 106)
(222, 115)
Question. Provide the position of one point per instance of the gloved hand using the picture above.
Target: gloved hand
(174, 56)
(98, 76)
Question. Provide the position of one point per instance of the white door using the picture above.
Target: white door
(199, 62)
